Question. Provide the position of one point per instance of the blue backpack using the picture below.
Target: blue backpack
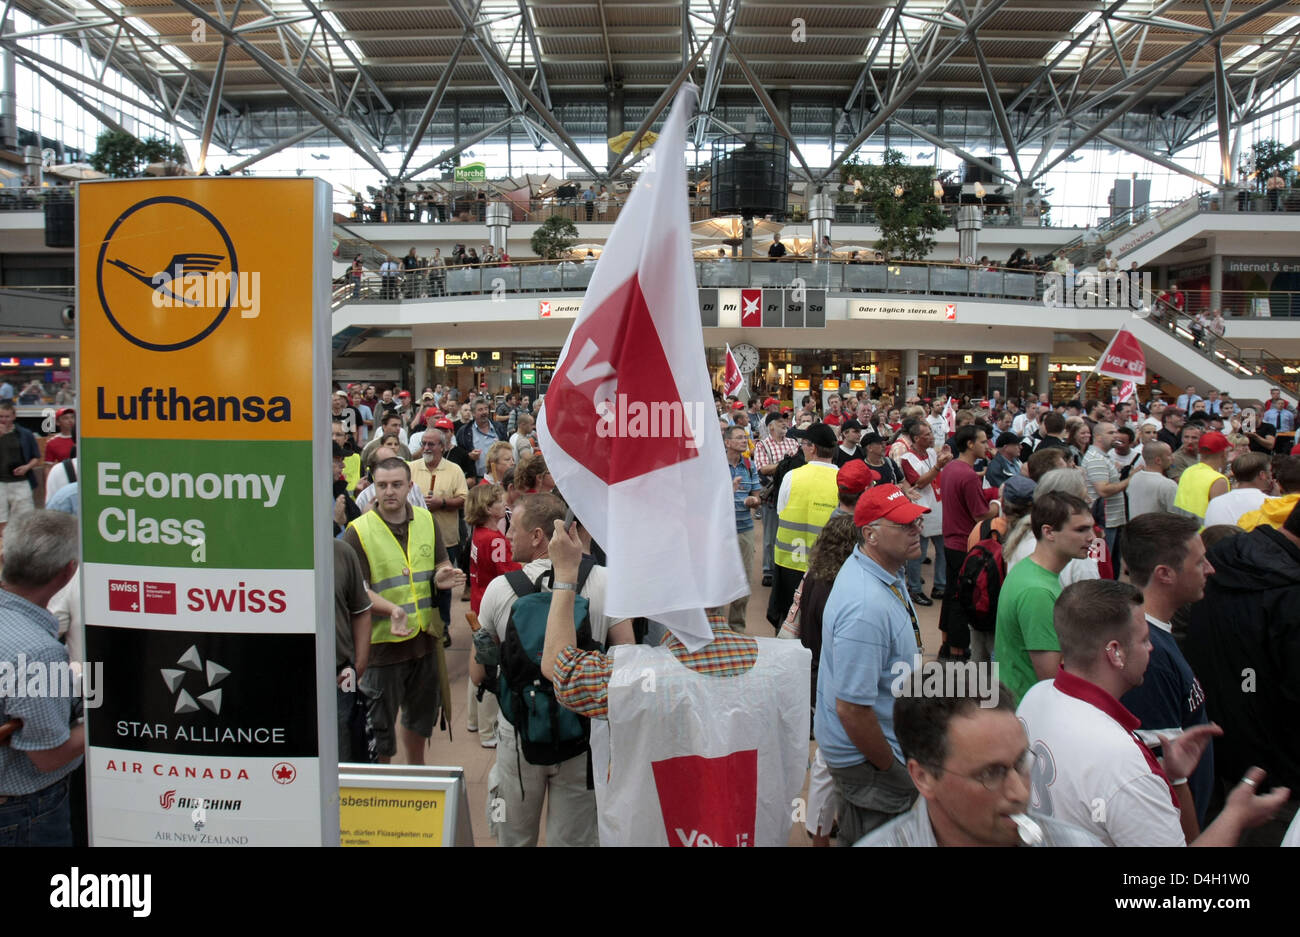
(548, 733)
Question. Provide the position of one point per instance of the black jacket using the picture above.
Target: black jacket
(1243, 642)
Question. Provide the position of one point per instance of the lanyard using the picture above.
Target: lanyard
(911, 613)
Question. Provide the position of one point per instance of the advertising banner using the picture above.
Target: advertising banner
(903, 310)
(207, 577)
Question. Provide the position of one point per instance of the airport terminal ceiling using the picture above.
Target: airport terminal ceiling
(993, 77)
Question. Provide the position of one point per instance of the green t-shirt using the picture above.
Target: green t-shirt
(1025, 623)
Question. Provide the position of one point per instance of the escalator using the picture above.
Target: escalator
(1245, 375)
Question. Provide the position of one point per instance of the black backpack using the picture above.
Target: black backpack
(548, 733)
(788, 464)
(979, 581)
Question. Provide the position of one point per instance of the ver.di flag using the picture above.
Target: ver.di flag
(949, 416)
(731, 377)
(1123, 358)
(629, 426)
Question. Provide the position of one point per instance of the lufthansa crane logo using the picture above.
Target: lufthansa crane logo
(167, 274)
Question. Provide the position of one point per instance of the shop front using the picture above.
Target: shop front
(976, 374)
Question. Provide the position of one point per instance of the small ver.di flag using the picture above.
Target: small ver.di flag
(629, 427)
(1123, 358)
(731, 377)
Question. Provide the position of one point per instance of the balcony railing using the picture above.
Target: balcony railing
(32, 198)
(836, 276)
(474, 211)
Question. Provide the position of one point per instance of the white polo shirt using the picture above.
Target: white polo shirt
(1228, 507)
(1091, 769)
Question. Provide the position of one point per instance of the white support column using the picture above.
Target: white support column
(1043, 378)
(421, 373)
(908, 376)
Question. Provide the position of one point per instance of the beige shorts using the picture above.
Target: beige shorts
(15, 499)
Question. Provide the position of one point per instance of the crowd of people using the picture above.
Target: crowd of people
(1078, 547)
(412, 276)
(1114, 567)
(396, 203)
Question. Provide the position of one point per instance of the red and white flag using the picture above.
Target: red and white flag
(1123, 358)
(950, 417)
(1127, 391)
(630, 429)
(731, 377)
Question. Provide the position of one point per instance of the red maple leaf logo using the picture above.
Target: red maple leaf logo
(284, 773)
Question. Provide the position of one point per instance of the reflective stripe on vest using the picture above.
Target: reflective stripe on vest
(814, 495)
(1194, 486)
(405, 580)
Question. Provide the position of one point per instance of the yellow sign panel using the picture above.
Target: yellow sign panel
(857, 385)
(1007, 362)
(830, 384)
(381, 816)
(801, 384)
(190, 298)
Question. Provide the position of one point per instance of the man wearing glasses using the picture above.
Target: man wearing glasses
(869, 630)
(971, 763)
(445, 489)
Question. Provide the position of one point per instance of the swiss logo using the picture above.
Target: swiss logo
(616, 357)
(160, 598)
(152, 598)
(123, 595)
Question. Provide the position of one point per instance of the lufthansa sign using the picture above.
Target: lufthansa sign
(204, 349)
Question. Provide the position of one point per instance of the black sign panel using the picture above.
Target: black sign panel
(815, 314)
(772, 303)
(204, 693)
(709, 308)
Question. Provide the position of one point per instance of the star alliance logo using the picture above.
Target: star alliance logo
(191, 661)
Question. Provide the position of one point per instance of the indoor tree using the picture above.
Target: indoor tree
(125, 156)
(902, 198)
(554, 237)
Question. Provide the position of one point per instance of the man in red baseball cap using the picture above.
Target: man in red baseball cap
(62, 446)
(869, 627)
(1204, 481)
(853, 478)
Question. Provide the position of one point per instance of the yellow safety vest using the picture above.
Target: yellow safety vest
(403, 578)
(1194, 487)
(352, 470)
(814, 495)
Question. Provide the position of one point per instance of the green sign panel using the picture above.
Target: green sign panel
(197, 503)
(470, 172)
(528, 376)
